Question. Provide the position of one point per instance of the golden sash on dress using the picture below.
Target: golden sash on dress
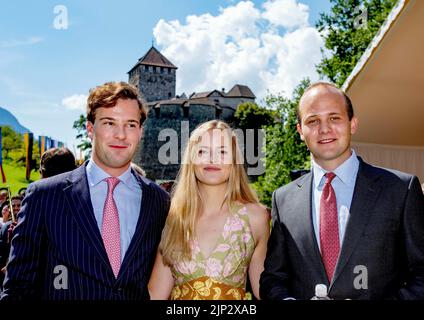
(206, 288)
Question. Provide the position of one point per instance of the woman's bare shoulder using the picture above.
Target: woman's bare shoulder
(258, 213)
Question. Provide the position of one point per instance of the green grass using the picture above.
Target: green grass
(15, 177)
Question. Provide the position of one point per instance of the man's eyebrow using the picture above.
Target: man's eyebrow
(311, 116)
(113, 119)
(317, 115)
(107, 118)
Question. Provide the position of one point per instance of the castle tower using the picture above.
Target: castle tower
(154, 76)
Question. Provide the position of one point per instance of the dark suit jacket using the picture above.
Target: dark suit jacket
(4, 248)
(57, 229)
(4, 243)
(384, 234)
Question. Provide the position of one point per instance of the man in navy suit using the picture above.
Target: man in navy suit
(353, 227)
(92, 233)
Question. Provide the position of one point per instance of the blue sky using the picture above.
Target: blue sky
(45, 73)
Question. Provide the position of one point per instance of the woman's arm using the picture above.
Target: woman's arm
(259, 222)
(161, 281)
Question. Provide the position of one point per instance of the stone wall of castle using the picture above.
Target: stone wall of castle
(154, 83)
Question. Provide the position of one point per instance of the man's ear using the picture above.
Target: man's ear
(299, 129)
(353, 125)
(90, 129)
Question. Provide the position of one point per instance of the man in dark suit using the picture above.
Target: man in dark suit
(92, 233)
(353, 227)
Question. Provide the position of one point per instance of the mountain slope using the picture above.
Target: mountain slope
(8, 119)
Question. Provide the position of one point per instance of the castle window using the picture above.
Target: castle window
(146, 68)
(169, 95)
(218, 112)
(157, 112)
(185, 112)
(161, 69)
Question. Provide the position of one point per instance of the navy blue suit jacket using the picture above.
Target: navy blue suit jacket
(57, 250)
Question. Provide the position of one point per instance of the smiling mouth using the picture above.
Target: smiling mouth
(325, 141)
(118, 147)
(212, 169)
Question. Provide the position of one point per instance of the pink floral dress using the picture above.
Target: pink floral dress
(222, 275)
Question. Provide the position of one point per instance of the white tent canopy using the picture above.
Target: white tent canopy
(387, 91)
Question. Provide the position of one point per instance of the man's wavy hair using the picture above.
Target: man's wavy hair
(107, 95)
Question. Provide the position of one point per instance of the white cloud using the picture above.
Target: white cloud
(75, 102)
(299, 53)
(286, 13)
(16, 42)
(268, 48)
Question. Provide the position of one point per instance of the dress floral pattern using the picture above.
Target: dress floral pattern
(223, 274)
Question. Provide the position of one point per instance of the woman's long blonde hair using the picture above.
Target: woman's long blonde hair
(186, 204)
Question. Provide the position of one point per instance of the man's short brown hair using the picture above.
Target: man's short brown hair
(107, 95)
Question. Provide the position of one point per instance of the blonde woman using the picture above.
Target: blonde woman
(216, 232)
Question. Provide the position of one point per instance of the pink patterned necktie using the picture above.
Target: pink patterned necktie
(329, 227)
(110, 227)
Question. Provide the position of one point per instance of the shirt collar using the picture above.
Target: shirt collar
(346, 172)
(95, 175)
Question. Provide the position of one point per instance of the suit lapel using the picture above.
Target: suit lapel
(77, 194)
(363, 201)
(143, 222)
(305, 236)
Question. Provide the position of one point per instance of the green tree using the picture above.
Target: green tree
(12, 141)
(80, 126)
(284, 150)
(251, 116)
(19, 156)
(348, 30)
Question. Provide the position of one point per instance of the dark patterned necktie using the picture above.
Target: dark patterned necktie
(329, 227)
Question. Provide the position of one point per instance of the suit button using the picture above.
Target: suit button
(118, 290)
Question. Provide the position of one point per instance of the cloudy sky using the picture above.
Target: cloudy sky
(52, 53)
